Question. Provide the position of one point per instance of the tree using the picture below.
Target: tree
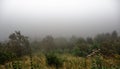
(18, 44)
(81, 40)
(48, 43)
(73, 40)
(61, 43)
(81, 50)
(114, 34)
(102, 37)
(89, 40)
(108, 48)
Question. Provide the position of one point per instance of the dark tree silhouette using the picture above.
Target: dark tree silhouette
(18, 44)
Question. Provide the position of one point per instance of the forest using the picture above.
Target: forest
(99, 52)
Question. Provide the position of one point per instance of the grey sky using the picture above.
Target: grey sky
(58, 17)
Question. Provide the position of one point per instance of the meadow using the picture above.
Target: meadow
(39, 61)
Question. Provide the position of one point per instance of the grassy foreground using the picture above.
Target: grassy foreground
(39, 61)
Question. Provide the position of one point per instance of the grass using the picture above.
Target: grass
(70, 62)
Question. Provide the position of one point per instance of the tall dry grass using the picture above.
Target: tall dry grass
(70, 62)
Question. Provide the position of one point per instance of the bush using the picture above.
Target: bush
(81, 51)
(5, 57)
(54, 60)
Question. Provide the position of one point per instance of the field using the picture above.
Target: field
(39, 61)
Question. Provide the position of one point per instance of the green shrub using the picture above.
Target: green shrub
(5, 57)
(77, 52)
(54, 60)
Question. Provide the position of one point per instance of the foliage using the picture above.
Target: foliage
(18, 44)
(5, 57)
(16, 47)
(48, 43)
(54, 60)
(81, 50)
(61, 52)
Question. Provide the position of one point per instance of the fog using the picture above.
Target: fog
(38, 18)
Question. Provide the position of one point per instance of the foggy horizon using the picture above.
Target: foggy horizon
(64, 18)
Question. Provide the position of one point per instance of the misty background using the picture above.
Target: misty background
(38, 18)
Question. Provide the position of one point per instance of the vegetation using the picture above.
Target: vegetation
(100, 52)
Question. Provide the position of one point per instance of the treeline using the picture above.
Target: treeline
(107, 43)
(18, 45)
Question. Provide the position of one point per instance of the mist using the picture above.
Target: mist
(37, 18)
